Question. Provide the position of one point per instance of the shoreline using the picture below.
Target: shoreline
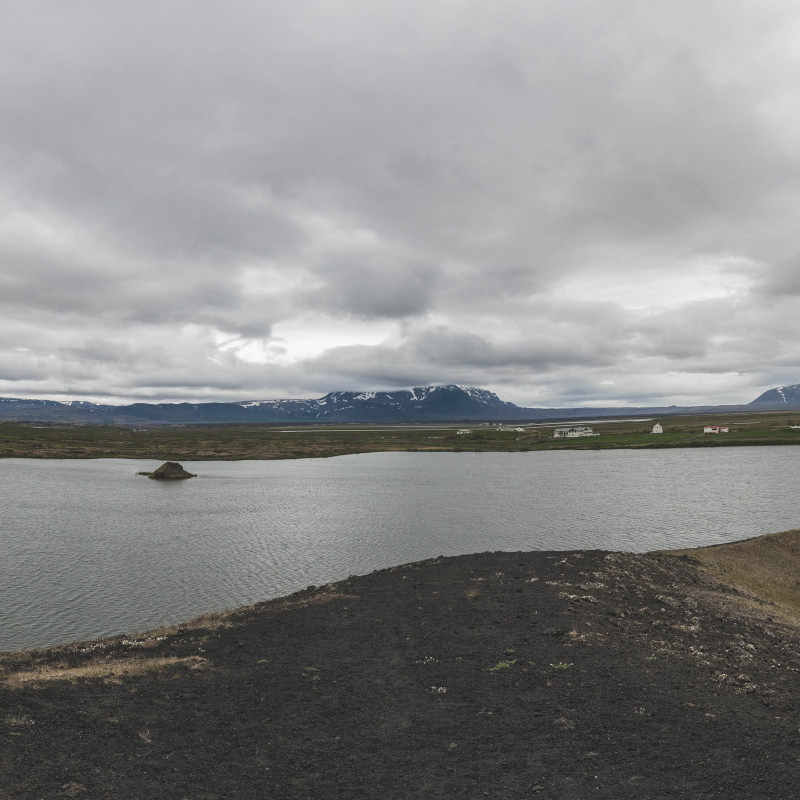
(553, 674)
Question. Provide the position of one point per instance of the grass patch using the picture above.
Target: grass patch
(319, 598)
(98, 670)
(767, 567)
(502, 665)
(16, 720)
(209, 622)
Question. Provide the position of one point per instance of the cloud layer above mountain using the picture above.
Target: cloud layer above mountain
(566, 202)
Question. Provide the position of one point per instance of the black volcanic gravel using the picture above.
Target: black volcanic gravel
(499, 675)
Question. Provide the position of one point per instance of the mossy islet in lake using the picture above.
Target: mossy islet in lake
(169, 471)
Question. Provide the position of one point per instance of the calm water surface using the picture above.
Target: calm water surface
(89, 548)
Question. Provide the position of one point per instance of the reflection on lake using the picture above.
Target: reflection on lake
(89, 548)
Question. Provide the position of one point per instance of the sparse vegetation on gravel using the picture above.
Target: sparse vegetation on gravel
(514, 675)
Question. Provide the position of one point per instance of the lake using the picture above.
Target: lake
(90, 548)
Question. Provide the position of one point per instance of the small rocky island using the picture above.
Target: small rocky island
(169, 471)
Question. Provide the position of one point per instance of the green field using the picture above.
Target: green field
(764, 569)
(204, 443)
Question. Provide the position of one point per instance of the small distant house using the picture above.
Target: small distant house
(573, 432)
(715, 429)
(657, 428)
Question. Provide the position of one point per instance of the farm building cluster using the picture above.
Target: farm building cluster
(573, 432)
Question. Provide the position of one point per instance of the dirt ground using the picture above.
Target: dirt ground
(500, 675)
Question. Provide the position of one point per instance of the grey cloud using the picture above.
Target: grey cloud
(177, 173)
(376, 288)
(445, 348)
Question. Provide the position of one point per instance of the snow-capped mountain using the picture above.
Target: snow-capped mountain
(48, 410)
(424, 403)
(420, 403)
(781, 397)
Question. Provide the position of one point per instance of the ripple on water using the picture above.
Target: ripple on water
(89, 548)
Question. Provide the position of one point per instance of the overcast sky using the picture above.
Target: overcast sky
(569, 202)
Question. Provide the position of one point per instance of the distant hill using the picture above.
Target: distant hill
(782, 397)
(422, 404)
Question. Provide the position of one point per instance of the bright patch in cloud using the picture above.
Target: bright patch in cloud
(702, 279)
(303, 338)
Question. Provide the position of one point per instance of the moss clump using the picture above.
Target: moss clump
(169, 471)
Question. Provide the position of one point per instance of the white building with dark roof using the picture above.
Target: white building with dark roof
(574, 432)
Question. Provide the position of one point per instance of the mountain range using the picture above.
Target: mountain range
(422, 404)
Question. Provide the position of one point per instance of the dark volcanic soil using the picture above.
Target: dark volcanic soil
(501, 675)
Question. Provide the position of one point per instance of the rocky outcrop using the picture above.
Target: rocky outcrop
(169, 471)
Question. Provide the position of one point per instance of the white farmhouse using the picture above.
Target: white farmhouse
(657, 428)
(573, 432)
